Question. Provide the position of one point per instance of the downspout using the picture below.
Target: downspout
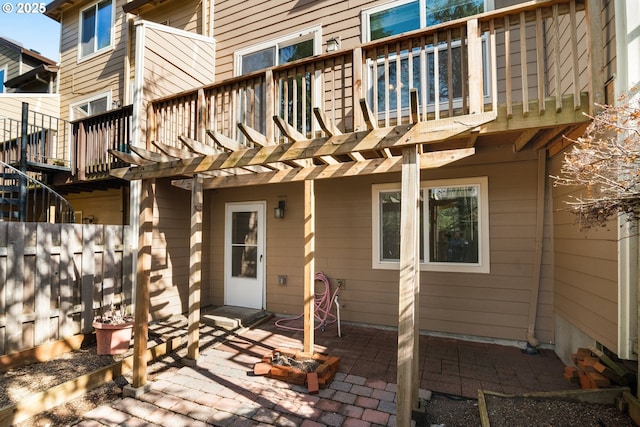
(537, 259)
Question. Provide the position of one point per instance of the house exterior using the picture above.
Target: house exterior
(192, 83)
(25, 75)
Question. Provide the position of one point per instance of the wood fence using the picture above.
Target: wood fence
(54, 278)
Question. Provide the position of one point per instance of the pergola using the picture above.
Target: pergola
(405, 148)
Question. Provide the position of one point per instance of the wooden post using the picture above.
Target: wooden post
(595, 51)
(270, 106)
(201, 117)
(357, 88)
(408, 286)
(475, 67)
(309, 264)
(141, 327)
(195, 268)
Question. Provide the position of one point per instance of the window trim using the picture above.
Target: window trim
(111, 45)
(312, 33)
(94, 97)
(482, 266)
(4, 68)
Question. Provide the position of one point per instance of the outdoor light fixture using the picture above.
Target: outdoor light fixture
(278, 212)
(333, 44)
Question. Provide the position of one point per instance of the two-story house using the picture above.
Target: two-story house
(476, 94)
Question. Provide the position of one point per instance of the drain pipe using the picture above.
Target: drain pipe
(537, 260)
(335, 299)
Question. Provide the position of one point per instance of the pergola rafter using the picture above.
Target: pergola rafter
(228, 163)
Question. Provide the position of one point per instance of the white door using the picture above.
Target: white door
(244, 254)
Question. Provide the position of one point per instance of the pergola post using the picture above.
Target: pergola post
(309, 265)
(195, 269)
(141, 327)
(409, 286)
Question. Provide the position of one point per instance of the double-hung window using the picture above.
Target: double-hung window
(454, 225)
(403, 16)
(96, 28)
(286, 49)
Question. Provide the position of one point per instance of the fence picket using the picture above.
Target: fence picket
(54, 276)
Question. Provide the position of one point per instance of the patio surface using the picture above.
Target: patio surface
(221, 389)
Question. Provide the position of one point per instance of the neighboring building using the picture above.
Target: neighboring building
(500, 260)
(25, 71)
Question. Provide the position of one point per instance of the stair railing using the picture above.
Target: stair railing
(26, 199)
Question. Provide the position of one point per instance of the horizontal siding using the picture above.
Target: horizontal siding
(11, 59)
(104, 72)
(11, 104)
(493, 305)
(585, 271)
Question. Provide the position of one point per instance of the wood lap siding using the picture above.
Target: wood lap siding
(11, 105)
(494, 305)
(101, 73)
(56, 276)
(585, 271)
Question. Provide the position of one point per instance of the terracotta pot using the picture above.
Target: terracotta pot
(113, 338)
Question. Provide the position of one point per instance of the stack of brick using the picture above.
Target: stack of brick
(321, 377)
(593, 369)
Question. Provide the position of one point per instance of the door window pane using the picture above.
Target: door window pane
(258, 60)
(244, 242)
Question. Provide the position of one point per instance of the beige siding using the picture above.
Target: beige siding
(80, 79)
(170, 264)
(11, 104)
(176, 62)
(100, 207)
(585, 272)
(494, 305)
(11, 59)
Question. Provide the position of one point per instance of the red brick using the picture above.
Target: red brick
(312, 383)
(598, 380)
(261, 368)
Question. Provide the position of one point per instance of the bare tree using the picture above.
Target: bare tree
(605, 161)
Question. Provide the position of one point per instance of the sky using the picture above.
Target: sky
(33, 30)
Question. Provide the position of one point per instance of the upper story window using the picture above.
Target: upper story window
(91, 106)
(277, 52)
(96, 24)
(291, 90)
(403, 16)
(454, 225)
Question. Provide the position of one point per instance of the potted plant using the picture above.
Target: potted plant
(114, 329)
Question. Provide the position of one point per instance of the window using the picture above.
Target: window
(90, 107)
(403, 16)
(454, 225)
(277, 52)
(96, 24)
(3, 77)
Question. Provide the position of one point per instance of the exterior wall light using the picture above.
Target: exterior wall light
(278, 211)
(333, 44)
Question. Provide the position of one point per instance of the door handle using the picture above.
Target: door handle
(260, 257)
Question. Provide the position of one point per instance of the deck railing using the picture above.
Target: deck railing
(522, 56)
(46, 144)
(94, 136)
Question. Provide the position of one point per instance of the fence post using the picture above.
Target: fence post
(24, 139)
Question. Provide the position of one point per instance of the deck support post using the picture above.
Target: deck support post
(143, 280)
(309, 264)
(409, 287)
(195, 269)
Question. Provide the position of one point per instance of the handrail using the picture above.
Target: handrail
(26, 199)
